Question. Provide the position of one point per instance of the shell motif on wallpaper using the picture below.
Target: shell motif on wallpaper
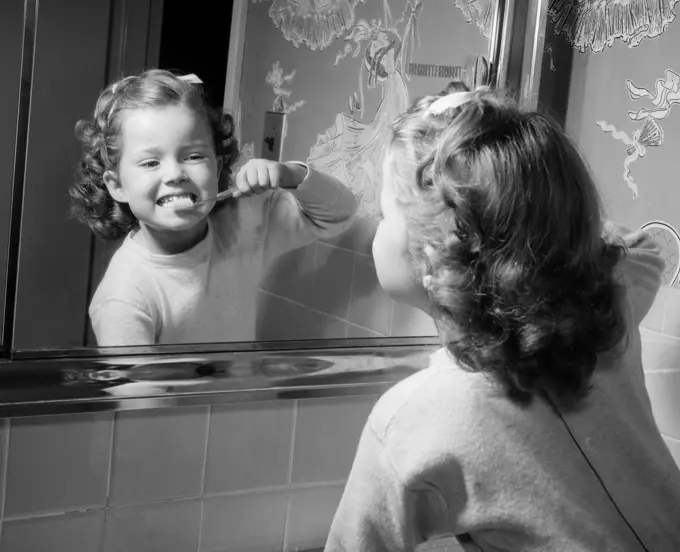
(484, 13)
(313, 23)
(649, 135)
(596, 24)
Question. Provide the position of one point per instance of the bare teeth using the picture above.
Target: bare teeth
(177, 200)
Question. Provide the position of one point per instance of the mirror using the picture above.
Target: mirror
(330, 75)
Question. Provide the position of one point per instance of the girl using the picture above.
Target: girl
(531, 429)
(185, 276)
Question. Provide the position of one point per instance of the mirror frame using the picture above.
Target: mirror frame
(514, 61)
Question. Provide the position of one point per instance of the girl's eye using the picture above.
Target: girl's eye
(196, 157)
(149, 164)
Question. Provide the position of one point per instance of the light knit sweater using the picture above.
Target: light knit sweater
(444, 452)
(210, 292)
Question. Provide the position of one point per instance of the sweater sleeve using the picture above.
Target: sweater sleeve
(641, 268)
(120, 323)
(319, 208)
(378, 512)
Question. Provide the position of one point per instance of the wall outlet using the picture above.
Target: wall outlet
(274, 130)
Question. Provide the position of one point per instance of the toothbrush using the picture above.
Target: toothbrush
(185, 203)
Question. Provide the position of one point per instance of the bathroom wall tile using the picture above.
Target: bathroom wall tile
(660, 352)
(292, 274)
(281, 320)
(81, 532)
(249, 446)
(251, 522)
(654, 318)
(359, 237)
(671, 318)
(4, 452)
(354, 331)
(160, 527)
(57, 463)
(158, 454)
(310, 514)
(326, 437)
(664, 391)
(332, 281)
(674, 446)
(408, 321)
(371, 306)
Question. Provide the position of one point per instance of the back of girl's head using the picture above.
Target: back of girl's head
(101, 143)
(504, 222)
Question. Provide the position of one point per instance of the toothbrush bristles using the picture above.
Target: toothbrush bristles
(183, 204)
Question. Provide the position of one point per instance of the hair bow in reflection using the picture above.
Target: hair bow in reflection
(451, 101)
(191, 79)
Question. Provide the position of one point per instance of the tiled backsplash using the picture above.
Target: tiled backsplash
(255, 477)
(242, 478)
(661, 362)
(332, 292)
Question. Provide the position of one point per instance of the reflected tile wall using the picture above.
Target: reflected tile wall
(331, 290)
(258, 477)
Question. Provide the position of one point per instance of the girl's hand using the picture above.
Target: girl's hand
(259, 175)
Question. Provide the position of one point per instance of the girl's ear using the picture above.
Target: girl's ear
(114, 187)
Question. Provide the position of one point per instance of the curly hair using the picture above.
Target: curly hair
(505, 228)
(99, 136)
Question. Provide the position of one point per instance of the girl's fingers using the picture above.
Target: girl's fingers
(274, 175)
(263, 177)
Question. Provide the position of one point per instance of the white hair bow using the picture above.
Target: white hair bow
(191, 79)
(449, 101)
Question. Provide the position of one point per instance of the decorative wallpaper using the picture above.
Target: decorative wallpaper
(342, 70)
(623, 85)
(347, 68)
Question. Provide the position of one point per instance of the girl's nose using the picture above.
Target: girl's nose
(173, 173)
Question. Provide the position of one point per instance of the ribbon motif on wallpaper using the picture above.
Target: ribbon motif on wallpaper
(665, 94)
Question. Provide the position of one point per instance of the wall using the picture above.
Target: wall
(618, 98)
(55, 250)
(11, 36)
(260, 477)
(661, 362)
(339, 123)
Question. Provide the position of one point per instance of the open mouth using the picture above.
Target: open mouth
(171, 201)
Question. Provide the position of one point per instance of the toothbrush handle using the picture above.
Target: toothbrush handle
(219, 197)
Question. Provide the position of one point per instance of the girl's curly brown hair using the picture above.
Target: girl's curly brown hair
(504, 224)
(99, 136)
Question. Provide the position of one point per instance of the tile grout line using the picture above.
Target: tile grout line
(318, 311)
(351, 290)
(296, 413)
(663, 313)
(228, 494)
(203, 474)
(206, 446)
(284, 543)
(392, 319)
(291, 455)
(5, 469)
(109, 474)
(199, 541)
